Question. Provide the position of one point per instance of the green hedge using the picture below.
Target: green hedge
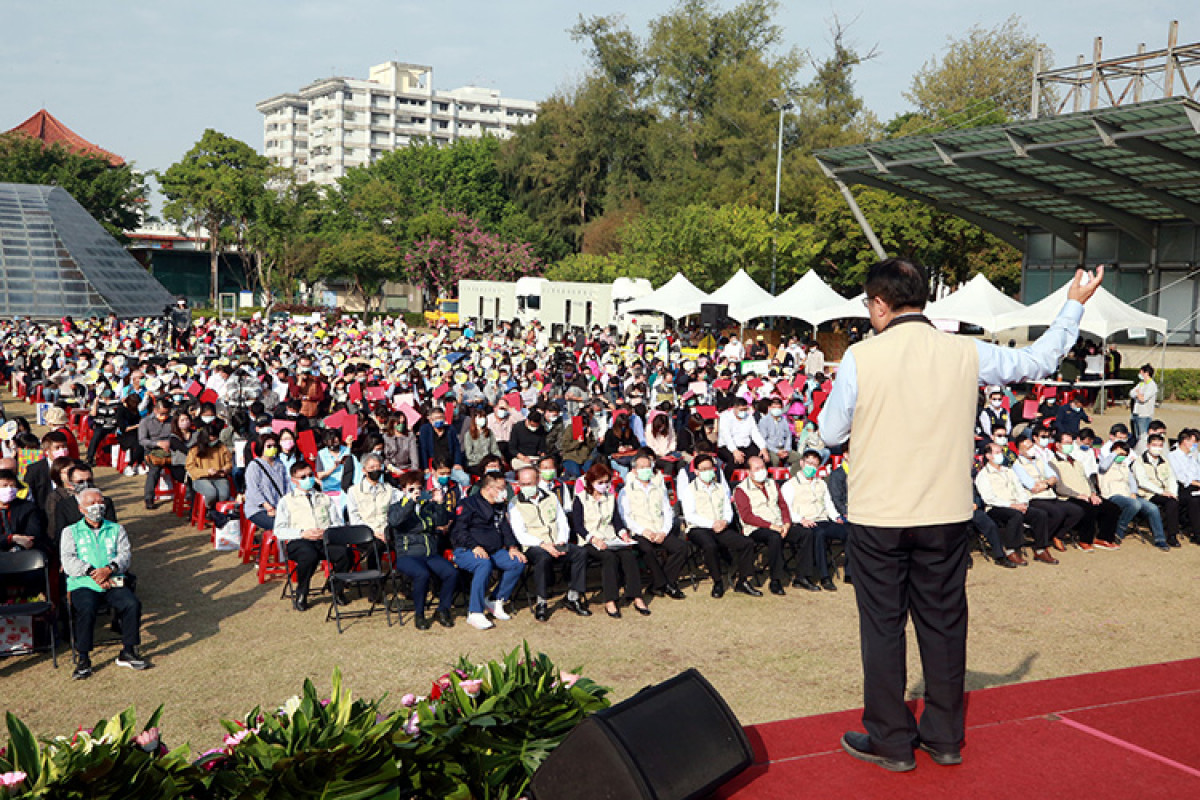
(1176, 385)
(480, 732)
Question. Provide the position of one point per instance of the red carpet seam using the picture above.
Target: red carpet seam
(1141, 751)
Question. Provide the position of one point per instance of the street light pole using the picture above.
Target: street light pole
(784, 106)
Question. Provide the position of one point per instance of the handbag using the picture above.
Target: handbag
(159, 457)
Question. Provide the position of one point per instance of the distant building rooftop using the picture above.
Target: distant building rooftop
(45, 127)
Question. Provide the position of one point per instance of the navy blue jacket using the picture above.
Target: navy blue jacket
(425, 445)
(481, 524)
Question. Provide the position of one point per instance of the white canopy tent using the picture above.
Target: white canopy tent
(1103, 315)
(677, 298)
(741, 294)
(976, 302)
(805, 298)
(854, 308)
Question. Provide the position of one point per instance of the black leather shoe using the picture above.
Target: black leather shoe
(541, 612)
(614, 614)
(645, 612)
(946, 758)
(744, 587)
(674, 592)
(300, 601)
(444, 619)
(718, 590)
(83, 669)
(806, 585)
(1004, 562)
(776, 588)
(859, 745)
(828, 585)
(1174, 541)
(422, 623)
(579, 607)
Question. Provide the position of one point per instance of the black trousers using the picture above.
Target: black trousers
(986, 527)
(1098, 521)
(739, 547)
(85, 603)
(773, 542)
(662, 574)
(1012, 527)
(726, 456)
(1189, 503)
(541, 564)
(308, 555)
(1061, 516)
(98, 436)
(826, 531)
(1169, 508)
(920, 571)
(613, 561)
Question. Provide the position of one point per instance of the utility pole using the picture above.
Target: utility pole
(784, 104)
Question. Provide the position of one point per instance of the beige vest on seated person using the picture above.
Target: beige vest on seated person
(764, 504)
(540, 516)
(598, 516)
(709, 499)
(646, 506)
(306, 515)
(372, 505)
(913, 431)
(1071, 473)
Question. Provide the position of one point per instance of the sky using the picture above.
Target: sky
(144, 79)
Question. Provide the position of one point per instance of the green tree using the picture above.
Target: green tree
(282, 235)
(113, 195)
(215, 185)
(364, 259)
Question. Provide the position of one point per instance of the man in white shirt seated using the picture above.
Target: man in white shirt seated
(1007, 504)
(738, 436)
(811, 506)
(708, 511)
(645, 505)
(368, 501)
(1186, 464)
(540, 525)
(994, 420)
(1157, 483)
(1118, 485)
(1041, 481)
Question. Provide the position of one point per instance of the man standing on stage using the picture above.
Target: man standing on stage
(906, 400)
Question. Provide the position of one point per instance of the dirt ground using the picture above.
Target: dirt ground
(221, 644)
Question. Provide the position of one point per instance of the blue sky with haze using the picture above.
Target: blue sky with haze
(144, 79)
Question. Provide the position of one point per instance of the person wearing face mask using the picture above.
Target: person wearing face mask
(1117, 433)
(596, 521)
(528, 441)
(438, 441)
(478, 442)
(576, 449)
(810, 505)
(1156, 482)
(994, 419)
(301, 519)
(767, 519)
(1007, 504)
(539, 524)
(37, 474)
(1186, 464)
(154, 433)
(266, 483)
(708, 512)
(645, 506)
(1117, 483)
(776, 430)
(368, 501)
(1071, 417)
(738, 436)
(1081, 490)
(1035, 473)
(414, 519)
(399, 446)
(21, 523)
(289, 452)
(104, 416)
(483, 540)
(95, 556)
(1139, 447)
(548, 481)
(552, 427)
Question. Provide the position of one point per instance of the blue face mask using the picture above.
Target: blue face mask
(439, 424)
(443, 480)
(308, 484)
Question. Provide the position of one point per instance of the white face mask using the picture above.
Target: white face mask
(94, 512)
(1156, 450)
(997, 403)
(759, 475)
(998, 459)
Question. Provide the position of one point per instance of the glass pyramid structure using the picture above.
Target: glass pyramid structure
(56, 260)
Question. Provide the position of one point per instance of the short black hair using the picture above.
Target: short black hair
(1120, 447)
(1155, 437)
(1118, 428)
(899, 283)
(1146, 368)
(299, 467)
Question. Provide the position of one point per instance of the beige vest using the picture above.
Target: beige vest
(709, 499)
(1158, 478)
(808, 500)
(913, 429)
(1073, 477)
(540, 516)
(764, 504)
(1034, 469)
(1115, 481)
(305, 515)
(372, 505)
(646, 506)
(1004, 485)
(598, 515)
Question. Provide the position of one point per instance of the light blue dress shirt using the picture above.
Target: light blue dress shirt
(1000, 365)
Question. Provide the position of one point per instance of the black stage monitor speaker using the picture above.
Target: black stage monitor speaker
(674, 741)
(713, 314)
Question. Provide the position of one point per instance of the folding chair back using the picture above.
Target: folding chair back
(20, 564)
(362, 538)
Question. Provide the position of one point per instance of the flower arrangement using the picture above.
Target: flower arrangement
(480, 733)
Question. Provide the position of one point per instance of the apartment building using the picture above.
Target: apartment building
(335, 124)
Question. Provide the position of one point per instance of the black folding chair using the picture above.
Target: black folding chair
(26, 564)
(362, 539)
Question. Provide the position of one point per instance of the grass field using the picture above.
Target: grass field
(221, 644)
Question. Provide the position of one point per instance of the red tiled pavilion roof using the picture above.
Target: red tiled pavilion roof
(45, 126)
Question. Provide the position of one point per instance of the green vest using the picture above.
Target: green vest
(96, 548)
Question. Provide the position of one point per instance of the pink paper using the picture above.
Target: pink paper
(279, 425)
(410, 414)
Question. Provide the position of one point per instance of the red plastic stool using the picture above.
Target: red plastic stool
(230, 509)
(38, 395)
(161, 493)
(179, 501)
(199, 512)
(269, 563)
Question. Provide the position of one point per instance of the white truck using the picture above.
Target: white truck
(559, 305)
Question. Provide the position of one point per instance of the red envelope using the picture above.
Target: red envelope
(356, 392)
(376, 394)
(208, 396)
(441, 390)
(195, 388)
(707, 412)
(349, 428)
(753, 384)
(450, 405)
(784, 388)
(307, 444)
(279, 425)
(722, 384)
(336, 420)
(577, 428)
(514, 400)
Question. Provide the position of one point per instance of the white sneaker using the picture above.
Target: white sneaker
(129, 472)
(479, 622)
(143, 469)
(497, 609)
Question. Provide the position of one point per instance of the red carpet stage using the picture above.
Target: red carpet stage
(1130, 733)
